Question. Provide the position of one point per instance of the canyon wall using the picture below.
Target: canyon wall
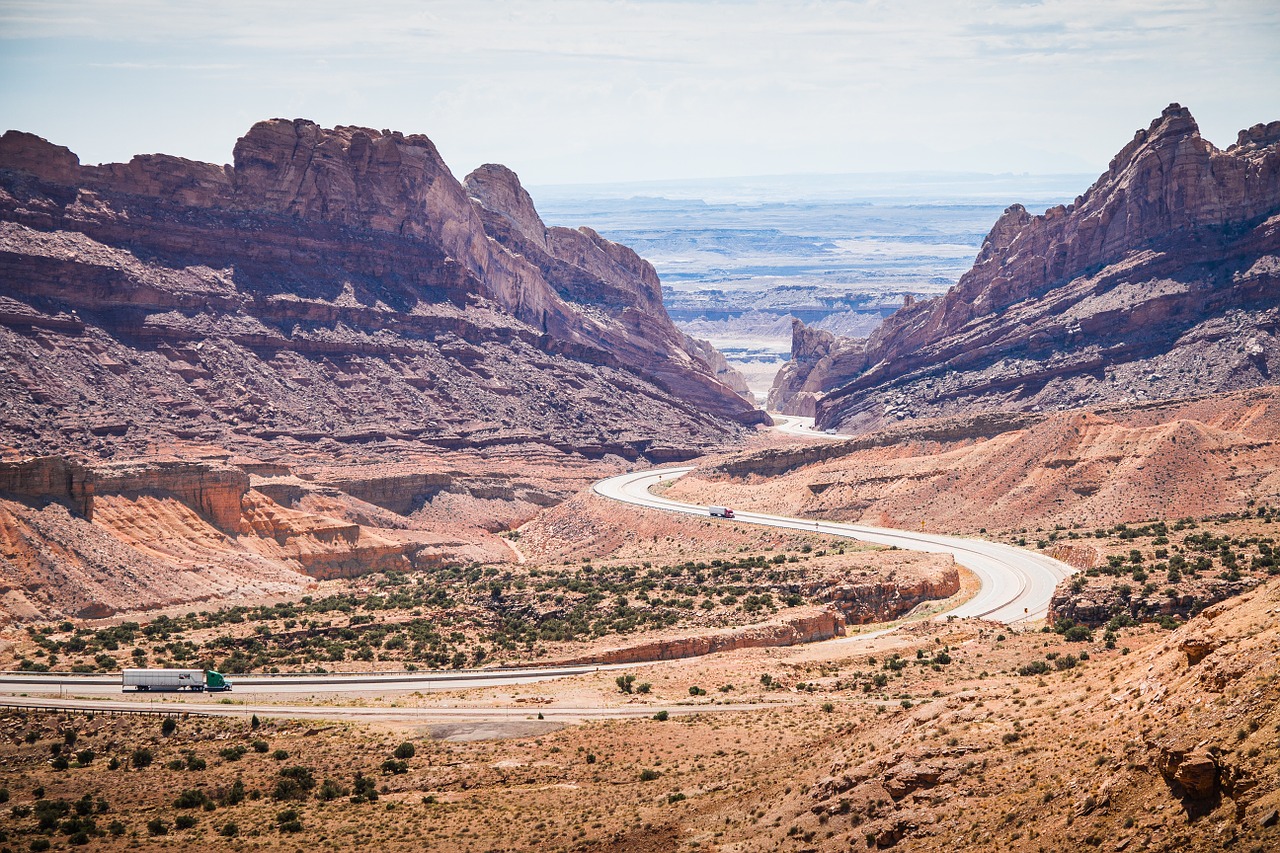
(334, 291)
(1160, 281)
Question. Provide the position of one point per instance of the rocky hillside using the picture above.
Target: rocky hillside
(1082, 468)
(1161, 281)
(332, 288)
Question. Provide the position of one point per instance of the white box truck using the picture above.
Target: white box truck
(197, 680)
(721, 512)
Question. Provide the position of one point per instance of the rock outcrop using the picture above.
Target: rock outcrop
(820, 624)
(1160, 281)
(332, 288)
(862, 603)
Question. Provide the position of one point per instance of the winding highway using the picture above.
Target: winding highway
(1016, 584)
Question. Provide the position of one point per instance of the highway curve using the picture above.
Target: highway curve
(1016, 584)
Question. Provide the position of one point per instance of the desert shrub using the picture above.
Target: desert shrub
(661, 716)
(295, 783)
(364, 789)
(330, 789)
(184, 821)
(232, 753)
(229, 829)
(116, 828)
(191, 799)
(260, 746)
(141, 758)
(649, 774)
(1036, 667)
(625, 682)
(233, 795)
(644, 687)
(169, 726)
(392, 766)
(85, 757)
(156, 826)
(38, 844)
(1065, 662)
(405, 750)
(280, 754)
(50, 812)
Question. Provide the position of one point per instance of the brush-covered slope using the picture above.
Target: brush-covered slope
(1161, 281)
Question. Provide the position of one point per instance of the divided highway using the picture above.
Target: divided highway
(1016, 584)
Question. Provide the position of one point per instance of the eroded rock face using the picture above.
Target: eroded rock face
(1193, 769)
(1160, 281)
(332, 287)
(822, 624)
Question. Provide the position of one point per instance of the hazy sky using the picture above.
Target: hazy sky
(615, 90)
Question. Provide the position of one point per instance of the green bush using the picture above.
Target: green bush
(661, 716)
(156, 826)
(405, 750)
(648, 774)
(1036, 667)
(229, 829)
(141, 758)
(191, 799)
(184, 821)
(330, 789)
(169, 726)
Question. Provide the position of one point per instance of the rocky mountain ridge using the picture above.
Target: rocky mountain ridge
(333, 287)
(1160, 281)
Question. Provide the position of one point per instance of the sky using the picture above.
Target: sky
(588, 91)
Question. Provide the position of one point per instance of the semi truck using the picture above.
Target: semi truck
(197, 680)
(721, 512)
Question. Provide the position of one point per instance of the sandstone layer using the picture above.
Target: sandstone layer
(333, 288)
(1160, 281)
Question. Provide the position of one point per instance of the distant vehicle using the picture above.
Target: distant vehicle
(170, 680)
(721, 512)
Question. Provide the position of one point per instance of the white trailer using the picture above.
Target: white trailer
(721, 512)
(163, 679)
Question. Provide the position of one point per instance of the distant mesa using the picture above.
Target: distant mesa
(331, 288)
(1161, 281)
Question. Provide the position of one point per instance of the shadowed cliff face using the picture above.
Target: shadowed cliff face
(1160, 281)
(333, 287)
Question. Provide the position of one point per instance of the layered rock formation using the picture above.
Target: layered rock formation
(1160, 281)
(332, 288)
(807, 627)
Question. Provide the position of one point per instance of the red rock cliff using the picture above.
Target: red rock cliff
(333, 286)
(1160, 281)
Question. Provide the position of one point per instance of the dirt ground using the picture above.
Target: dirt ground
(927, 738)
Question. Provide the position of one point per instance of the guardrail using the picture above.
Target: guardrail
(11, 705)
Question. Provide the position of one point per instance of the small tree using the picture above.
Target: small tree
(405, 750)
(625, 682)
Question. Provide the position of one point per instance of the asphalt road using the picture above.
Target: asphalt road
(1016, 584)
(796, 425)
(72, 684)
